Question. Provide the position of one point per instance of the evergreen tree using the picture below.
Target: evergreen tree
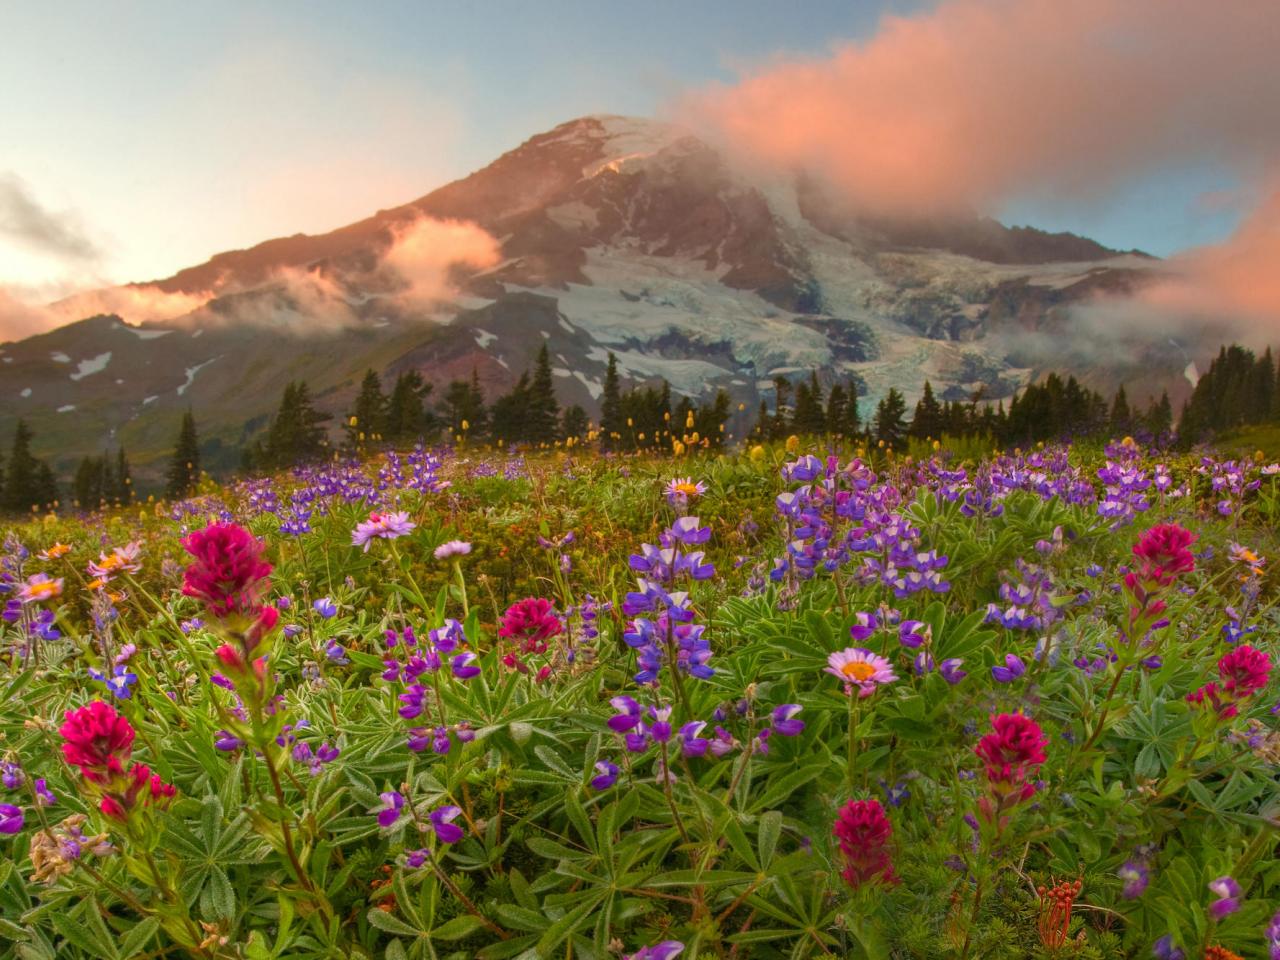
(837, 402)
(296, 434)
(809, 416)
(122, 488)
(710, 419)
(184, 466)
(1121, 420)
(508, 419)
(891, 424)
(542, 419)
(367, 422)
(575, 422)
(927, 421)
(86, 488)
(763, 423)
(46, 486)
(611, 407)
(22, 487)
(781, 407)
(1160, 416)
(852, 418)
(408, 418)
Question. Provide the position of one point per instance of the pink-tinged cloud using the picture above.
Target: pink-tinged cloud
(23, 315)
(979, 101)
(426, 254)
(1238, 278)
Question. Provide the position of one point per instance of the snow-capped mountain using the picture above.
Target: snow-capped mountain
(613, 234)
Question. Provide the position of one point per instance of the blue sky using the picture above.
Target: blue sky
(167, 132)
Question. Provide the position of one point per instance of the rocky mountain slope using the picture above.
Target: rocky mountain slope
(615, 234)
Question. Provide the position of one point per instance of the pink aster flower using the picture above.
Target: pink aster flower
(682, 489)
(118, 560)
(452, 548)
(387, 526)
(860, 668)
(40, 587)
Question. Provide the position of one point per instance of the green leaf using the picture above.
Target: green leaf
(457, 928)
(390, 923)
(770, 830)
(139, 936)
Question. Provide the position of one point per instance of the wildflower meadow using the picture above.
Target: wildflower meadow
(768, 703)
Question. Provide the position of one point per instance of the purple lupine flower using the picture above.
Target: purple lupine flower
(1135, 877)
(442, 823)
(692, 745)
(1273, 937)
(416, 858)
(325, 607)
(225, 740)
(336, 652)
(628, 716)
(462, 666)
(864, 625)
(722, 742)
(119, 682)
(913, 633)
(44, 796)
(1227, 890)
(392, 804)
(11, 818)
(1164, 949)
(689, 532)
(440, 740)
(414, 700)
(898, 794)
(660, 727)
(12, 776)
(1013, 669)
(784, 722)
(950, 670)
(606, 775)
(666, 950)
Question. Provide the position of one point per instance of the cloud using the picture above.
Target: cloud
(25, 222)
(1238, 278)
(425, 255)
(422, 266)
(979, 101)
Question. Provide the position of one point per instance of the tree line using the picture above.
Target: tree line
(1239, 389)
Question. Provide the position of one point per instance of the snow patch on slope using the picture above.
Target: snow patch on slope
(91, 366)
(191, 374)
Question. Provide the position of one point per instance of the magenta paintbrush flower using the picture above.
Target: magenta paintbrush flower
(98, 740)
(864, 834)
(228, 572)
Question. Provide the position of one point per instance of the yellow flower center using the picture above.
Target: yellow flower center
(687, 488)
(48, 588)
(858, 670)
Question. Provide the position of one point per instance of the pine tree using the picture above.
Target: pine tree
(852, 419)
(837, 401)
(407, 416)
(184, 466)
(891, 427)
(367, 422)
(296, 434)
(611, 407)
(927, 421)
(1160, 418)
(575, 422)
(543, 417)
(93, 483)
(22, 478)
(122, 490)
(809, 416)
(1121, 419)
(508, 419)
(781, 407)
